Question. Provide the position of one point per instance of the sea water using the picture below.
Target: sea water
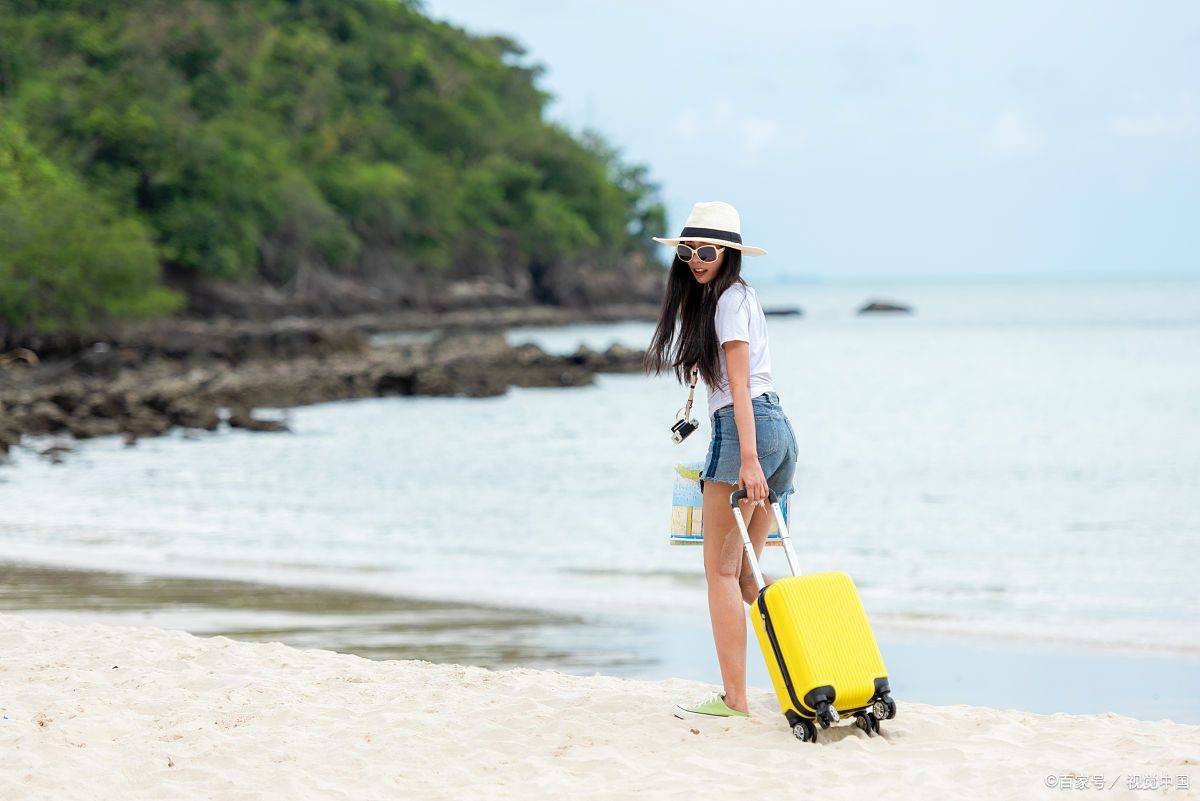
(1017, 462)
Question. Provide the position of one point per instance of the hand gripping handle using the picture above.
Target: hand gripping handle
(737, 495)
(784, 535)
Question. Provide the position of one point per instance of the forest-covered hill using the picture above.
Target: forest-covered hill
(152, 148)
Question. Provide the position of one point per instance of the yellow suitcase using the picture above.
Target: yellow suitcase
(817, 643)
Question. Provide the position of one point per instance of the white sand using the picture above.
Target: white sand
(104, 712)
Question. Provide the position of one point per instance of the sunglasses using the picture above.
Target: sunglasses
(705, 252)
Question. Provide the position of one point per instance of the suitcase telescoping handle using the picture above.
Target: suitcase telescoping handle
(784, 536)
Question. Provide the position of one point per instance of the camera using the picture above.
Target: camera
(682, 428)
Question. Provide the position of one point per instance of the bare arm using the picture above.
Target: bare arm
(750, 475)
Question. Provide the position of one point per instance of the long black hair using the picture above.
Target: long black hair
(689, 310)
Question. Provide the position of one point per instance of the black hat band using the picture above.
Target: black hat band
(710, 233)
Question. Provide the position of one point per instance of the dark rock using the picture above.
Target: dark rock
(45, 416)
(575, 378)
(88, 427)
(620, 359)
(68, 399)
(111, 405)
(457, 346)
(469, 379)
(18, 357)
(99, 360)
(581, 285)
(393, 383)
(313, 292)
(583, 355)
(530, 354)
(879, 306)
(790, 311)
(617, 359)
(195, 414)
(54, 453)
(242, 418)
(183, 379)
(9, 439)
(241, 337)
(144, 421)
(561, 374)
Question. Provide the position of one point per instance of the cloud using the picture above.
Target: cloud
(758, 134)
(686, 126)
(1013, 133)
(730, 130)
(1182, 122)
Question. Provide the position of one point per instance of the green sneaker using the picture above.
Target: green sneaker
(709, 708)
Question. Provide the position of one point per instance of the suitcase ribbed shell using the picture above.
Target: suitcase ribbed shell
(822, 633)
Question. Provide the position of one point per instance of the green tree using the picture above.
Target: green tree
(66, 259)
(253, 140)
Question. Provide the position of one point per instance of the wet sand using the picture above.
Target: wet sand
(929, 667)
(364, 624)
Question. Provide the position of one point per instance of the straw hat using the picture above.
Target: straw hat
(716, 223)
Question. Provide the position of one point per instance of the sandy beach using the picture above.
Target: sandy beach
(98, 712)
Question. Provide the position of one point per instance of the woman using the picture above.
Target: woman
(712, 319)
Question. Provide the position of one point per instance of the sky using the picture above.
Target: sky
(903, 138)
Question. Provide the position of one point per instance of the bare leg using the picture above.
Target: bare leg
(723, 558)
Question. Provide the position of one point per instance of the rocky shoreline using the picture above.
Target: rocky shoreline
(204, 374)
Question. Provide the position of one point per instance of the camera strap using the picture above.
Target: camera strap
(687, 409)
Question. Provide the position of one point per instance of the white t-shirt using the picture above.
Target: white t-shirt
(740, 316)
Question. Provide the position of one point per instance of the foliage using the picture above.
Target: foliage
(67, 259)
(249, 140)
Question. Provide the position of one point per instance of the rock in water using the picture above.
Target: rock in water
(883, 306)
(9, 438)
(195, 414)
(137, 392)
(242, 418)
(54, 453)
(784, 311)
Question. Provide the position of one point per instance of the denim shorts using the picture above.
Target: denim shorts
(775, 440)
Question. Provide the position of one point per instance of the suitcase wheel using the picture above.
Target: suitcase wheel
(884, 708)
(805, 731)
(827, 715)
(868, 722)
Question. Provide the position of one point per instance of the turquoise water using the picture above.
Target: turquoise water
(1015, 464)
